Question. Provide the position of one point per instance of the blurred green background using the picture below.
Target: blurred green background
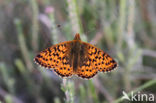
(125, 29)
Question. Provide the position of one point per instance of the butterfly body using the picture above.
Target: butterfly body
(75, 49)
(75, 58)
(76, 52)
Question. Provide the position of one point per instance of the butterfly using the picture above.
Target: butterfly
(75, 58)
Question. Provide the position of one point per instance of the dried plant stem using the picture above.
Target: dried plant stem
(53, 28)
(9, 98)
(10, 82)
(130, 32)
(22, 44)
(66, 92)
(131, 45)
(121, 23)
(146, 85)
(74, 18)
(68, 88)
(99, 86)
(35, 27)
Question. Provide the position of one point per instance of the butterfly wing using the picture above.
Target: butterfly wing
(94, 60)
(86, 71)
(56, 57)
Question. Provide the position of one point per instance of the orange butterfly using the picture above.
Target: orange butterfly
(75, 58)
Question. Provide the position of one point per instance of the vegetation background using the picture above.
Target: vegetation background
(125, 29)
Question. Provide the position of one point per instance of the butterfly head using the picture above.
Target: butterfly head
(77, 36)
